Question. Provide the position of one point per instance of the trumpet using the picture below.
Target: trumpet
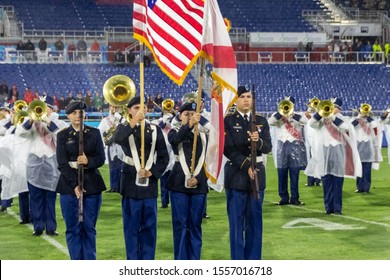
(19, 105)
(325, 108)
(313, 103)
(37, 110)
(286, 108)
(365, 110)
(19, 117)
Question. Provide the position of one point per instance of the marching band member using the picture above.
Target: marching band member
(188, 191)
(80, 236)
(369, 139)
(243, 209)
(310, 139)
(41, 167)
(164, 122)
(138, 186)
(336, 155)
(289, 150)
(385, 121)
(114, 151)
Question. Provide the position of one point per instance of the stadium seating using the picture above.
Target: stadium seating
(262, 16)
(355, 83)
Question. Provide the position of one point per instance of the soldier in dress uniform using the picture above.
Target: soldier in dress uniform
(80, 236)
(244, 210)
(188, 191)
(138, 186)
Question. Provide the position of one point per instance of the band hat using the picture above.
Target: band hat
(243, 89)
(338, 102)
(134, 101)
(191, 106)
(75, 105)
(292, 99)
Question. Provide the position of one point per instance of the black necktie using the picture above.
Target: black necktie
(246, 118)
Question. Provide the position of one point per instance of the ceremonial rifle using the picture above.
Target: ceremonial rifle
(255, 181)
(81, 166)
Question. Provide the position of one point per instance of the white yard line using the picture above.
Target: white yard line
(49, 239)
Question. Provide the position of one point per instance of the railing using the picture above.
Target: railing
(309, 57)
(11, 55)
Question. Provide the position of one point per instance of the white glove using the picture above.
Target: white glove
(8, 117)
(117, 116)
(167, 118)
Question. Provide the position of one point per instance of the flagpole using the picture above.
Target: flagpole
(198, 100)
(142, 99)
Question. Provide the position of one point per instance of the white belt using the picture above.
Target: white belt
(128, 160)
(73, 164)
(176, 158)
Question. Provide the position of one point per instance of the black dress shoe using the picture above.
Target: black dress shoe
(337, 213)
(357, 191)
(164, 206)
(328, 212)
(37, 232)
(3, 209)
(23, 222)
(297, 202)
(282, 202)
(205, 216)
(52, 232)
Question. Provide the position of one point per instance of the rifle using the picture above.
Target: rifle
(80, 167)
(255, 181)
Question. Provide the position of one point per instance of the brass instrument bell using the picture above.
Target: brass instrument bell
(325, 108)
(37, 110)
(19, 105)
(19, 117)
(119, 90)
(313, 103)
(168, 104)
(286, 108)
(365, 109)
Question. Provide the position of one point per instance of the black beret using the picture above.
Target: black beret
(75, 105)
(338, 102)
(243, 89)
(191, 106)
(134, 101)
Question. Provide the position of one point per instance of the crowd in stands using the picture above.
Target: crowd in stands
(381, 5)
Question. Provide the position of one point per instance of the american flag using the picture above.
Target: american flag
(172, 30)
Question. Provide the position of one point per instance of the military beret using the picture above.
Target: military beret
(75, 105)
(243, 89)
(191, 106)
(134, 101)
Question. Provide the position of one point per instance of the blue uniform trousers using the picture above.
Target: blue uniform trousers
(140, 227)
(115, 172)
(363, 184)
(187, 214)
(43, 208)
(312, 181)
(283, 183)
(164, 193)
(24, 206)
(245, 223)
(333, 193)
(81, 237)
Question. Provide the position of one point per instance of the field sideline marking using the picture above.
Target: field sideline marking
(341, 216)
(49, 239)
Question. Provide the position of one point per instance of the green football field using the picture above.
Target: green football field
(290, 232)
